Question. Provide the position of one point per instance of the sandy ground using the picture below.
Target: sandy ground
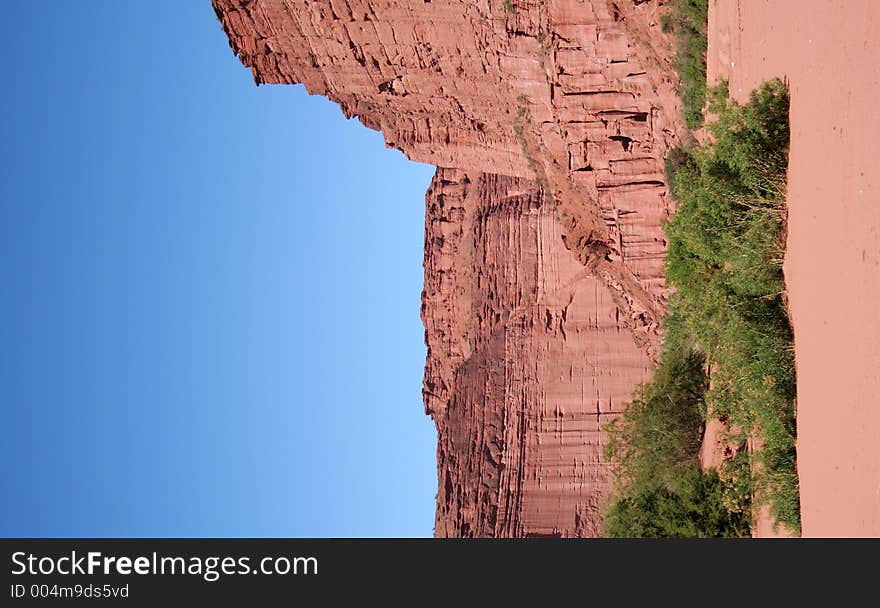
(829, 50)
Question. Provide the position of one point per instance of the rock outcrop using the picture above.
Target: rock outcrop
(543, 250)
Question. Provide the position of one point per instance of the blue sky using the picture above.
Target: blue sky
(210, 312)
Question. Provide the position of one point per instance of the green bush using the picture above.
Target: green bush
(726, 243)
(693, 508)
(659, 435)
(689, 21)
(727, 312)
(655, 445)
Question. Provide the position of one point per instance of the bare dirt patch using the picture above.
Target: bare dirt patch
(828, 51)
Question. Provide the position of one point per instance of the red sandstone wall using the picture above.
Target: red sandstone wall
(543, 248)
(527, 357)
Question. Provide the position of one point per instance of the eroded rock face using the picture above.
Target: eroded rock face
(543, 248)
(527, 357)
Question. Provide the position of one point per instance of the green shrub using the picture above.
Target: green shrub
(727, 312)
(660, 490)
(725, 262)
(658, 437)
(689, 21)
(693, 508)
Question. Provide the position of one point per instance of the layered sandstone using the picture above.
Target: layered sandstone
(528, 356)
(543, 249)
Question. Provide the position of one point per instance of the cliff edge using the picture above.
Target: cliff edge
(548, 122)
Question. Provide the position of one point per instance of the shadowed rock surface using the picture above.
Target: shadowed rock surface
(548, 122)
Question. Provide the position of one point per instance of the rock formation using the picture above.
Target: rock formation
(548, 122)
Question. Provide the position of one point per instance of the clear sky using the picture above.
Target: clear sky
(210, 311)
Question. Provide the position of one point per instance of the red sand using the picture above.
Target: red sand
(829, 51)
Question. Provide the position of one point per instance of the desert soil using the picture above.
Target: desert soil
(829, 51)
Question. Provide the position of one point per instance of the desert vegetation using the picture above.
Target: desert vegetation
(694, 508)
(688, 20)
(661, 490)
(521, 123)
(726, 245)
(727, 347)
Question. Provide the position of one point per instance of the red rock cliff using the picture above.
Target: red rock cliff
(543, 249)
